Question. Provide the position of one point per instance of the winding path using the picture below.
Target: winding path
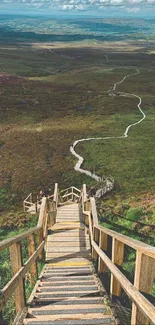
(111, 91)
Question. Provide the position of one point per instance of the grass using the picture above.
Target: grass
(36, 119)
(56, 98)
(7, 231)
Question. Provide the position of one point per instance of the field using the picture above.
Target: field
(51, 98)
(54, 90)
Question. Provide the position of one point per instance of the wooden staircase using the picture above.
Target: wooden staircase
(69, 241)
(68, 291)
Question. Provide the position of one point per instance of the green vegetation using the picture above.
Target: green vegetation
(16, 223)
(55, 93)
(39, 125)
(132, 216)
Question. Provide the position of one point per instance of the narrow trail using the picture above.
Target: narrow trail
(111, 91)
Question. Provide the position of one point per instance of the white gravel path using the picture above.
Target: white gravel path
(111, 91)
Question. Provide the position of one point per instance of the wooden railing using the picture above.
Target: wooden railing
(30, 205)
(143, 312)
(36, 239)
(70, 194)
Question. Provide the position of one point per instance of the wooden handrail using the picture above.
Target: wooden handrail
(11, 286)
(142, 310)
(19, 270)
(131, 242)
(29, 196)
(141, 302)
(8, 242)
(70, 194)
(76, 189)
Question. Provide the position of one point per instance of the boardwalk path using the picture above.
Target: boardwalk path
(111, 92)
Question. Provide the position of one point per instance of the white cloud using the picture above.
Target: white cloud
(131, 6)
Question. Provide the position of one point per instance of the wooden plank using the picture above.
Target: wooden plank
(8, 242)
(70, 317)
(136, 244)
(94, 211)
(141, 302)
(68, 307)
(11, 286)
(58, 244)
(41, 213)
(16, 262)
(103, 244)
(117, 258)
(90, 228)
(84, 193)
(55, 198)
(144, 277)
(31, 251)
(40, 240)
(96, 239)
(76, 189)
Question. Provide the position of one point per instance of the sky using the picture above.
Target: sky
(96, 8)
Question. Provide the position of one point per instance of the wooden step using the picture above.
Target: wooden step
(64, 278)
(67, 273)
(75, 232)
(63, 312)
(67, 255)
(66, 249)
(68, 212)
(79, 319)
(45, 293)
(61, 220)
(68, 302)
(66, 226)
(69, 283)
(70, 307)
(52, 246)
(73, 287)
(67, 268)
(68, 237)
(68, 292)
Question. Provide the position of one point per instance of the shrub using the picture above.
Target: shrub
(134, 214)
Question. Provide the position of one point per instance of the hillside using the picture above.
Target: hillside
(42, 116)
(55, 93)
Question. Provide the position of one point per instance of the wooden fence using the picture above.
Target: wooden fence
(19, 269)
(29, 205)
(143, 312)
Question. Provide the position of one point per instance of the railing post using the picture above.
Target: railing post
(40, 239)
(103, 244)
(144, 277)
(87, 208)
(96, 239)
(117, 258)
(84, 196)
(72, 194)
(16, 262)
(31, 250)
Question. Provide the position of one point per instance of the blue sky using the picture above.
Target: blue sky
(105, 8)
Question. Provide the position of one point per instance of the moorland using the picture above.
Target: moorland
(54, 92)
(54, 82)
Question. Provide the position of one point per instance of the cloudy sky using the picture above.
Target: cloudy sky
(141, 8)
